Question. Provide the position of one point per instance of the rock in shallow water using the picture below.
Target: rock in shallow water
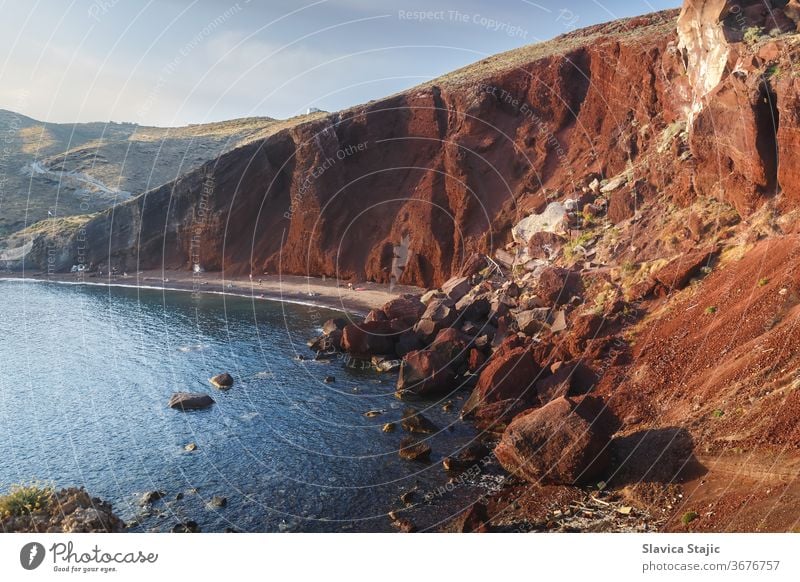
(414, 450)
(414, 421)
(222, 381)
(190, 401)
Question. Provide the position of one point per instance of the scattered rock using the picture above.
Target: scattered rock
(190, 401)
(623, 205)
(466, 457)
(329, 379)
(545, 245)
(388, 427)
(373, 413)
(222, 381)
(474, 264)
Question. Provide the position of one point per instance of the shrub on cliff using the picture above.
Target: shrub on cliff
(25, 499)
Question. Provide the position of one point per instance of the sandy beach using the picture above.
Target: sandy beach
(329, 293)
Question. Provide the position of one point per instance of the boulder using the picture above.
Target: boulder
(369, 339)
(190, 401)
(584, 329)
(413, 421)
(452, 342)
(151, 497)
(407, 308)
(509, 374)
(429, 296)
(222, 381)
(555, 444)
(425, 372)
(494, 417)
(456, 288)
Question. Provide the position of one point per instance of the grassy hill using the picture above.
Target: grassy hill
(71, 169)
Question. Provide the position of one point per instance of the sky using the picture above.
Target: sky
(175, 62)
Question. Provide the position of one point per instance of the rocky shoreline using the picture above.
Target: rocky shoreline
(515, 335)
(70, 510)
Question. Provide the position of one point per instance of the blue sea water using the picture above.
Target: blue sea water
(86, 373)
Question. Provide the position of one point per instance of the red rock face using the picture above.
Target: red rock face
(335, 196)
(444, 170)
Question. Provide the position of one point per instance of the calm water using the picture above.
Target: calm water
(86, 372)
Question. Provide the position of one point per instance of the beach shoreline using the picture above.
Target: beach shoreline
(310, 291)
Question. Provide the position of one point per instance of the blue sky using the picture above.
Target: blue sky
(173, 62)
